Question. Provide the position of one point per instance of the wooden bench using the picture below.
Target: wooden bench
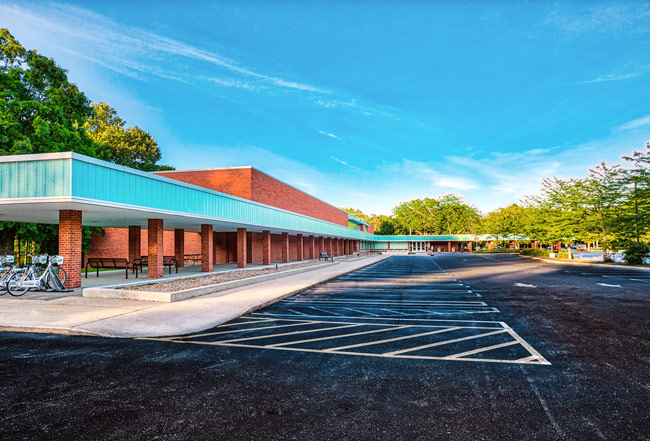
(112, 263)
(195, 258)
(168, 261)
(325, 256)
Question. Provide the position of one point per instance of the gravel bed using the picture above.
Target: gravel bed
(199, 281)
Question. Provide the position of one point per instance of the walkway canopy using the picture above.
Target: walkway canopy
(70, 189)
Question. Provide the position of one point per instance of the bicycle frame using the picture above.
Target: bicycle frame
(35, 282)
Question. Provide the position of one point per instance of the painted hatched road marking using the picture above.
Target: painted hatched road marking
(533, 357)
(395, 311)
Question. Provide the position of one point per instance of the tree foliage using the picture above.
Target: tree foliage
(447, 214)
(129, 146)
(41, 111)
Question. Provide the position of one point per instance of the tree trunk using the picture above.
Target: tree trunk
(7, 238)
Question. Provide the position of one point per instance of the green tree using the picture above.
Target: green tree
(637, 214)
(445, 215)
(129, 146)
(40, 112)
(386, 227)
(506, 221)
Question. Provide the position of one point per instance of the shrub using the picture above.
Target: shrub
(537, 252)
(636, 253)
(563, 254)
(496, 250)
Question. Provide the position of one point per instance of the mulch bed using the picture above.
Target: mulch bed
(213, 279)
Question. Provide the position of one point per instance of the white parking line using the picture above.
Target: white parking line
(232, 331)
(446, 342)
(389, 340)
(487, 348)
(290, 333)
(374, 331)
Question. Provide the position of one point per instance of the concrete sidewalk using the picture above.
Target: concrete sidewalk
(132, 318)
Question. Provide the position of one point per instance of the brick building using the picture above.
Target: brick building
(229, 215)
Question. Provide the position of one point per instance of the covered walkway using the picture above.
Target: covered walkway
(73, 190)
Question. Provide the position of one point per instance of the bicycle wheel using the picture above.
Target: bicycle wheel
(56, 272)
(13, 285)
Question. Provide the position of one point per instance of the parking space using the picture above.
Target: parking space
(394, 351)
(617, 274)
(404, 307)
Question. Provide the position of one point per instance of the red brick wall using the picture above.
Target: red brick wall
(220, 247)
(115, 243)
(293, 247)
(276, 247)
(269, 191)
(251, 184)
(254, 248)
(234, 181)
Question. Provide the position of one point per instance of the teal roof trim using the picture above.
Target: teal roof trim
(357, 220)
(70, 177)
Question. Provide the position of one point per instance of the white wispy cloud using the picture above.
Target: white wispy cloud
(635, 123)
(134, 51)
(455, 182)
(340, 161)
(612, 77)
(331, 135)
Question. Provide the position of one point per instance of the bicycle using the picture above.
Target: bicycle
(8, 268)
(33, 278)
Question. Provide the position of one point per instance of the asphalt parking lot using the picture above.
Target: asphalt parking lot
(454, 347)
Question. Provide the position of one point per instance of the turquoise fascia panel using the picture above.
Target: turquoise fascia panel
(35, 179)
(81, 178)
(99, 181)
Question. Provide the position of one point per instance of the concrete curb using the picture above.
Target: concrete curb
(219, 318)
(617, 266)
(234, 315)
(50, 330)
(111, 292)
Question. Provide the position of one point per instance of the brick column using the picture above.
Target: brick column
(249, 247)
(469, 246)
(321, 244)
(300, 248)
(328, 246)
(241, 248)
(266, 247)
(135, 233)
(70, 246)
(179, 246)
(311, 247)
(155, 242)
(207, 248)
(533, 244)
(285, 247)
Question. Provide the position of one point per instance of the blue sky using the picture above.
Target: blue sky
(365, 104)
